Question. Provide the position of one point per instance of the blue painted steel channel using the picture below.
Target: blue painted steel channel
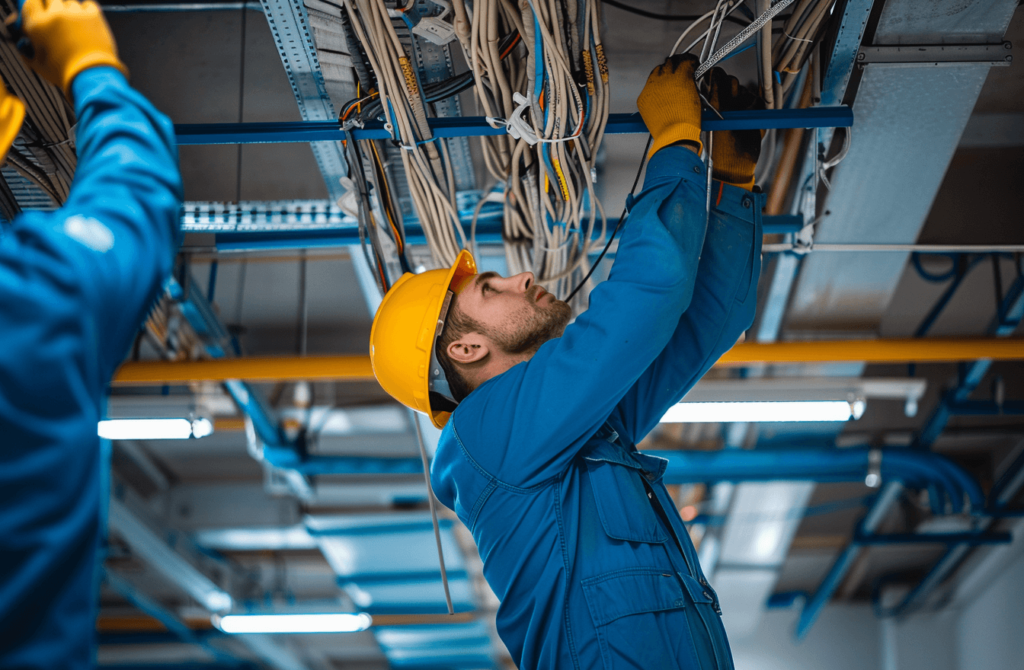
(473, 126)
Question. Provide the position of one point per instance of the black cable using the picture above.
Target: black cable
(666, 17)
(622, 218)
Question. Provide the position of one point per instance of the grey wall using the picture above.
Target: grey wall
(845, 637)
(991, 629)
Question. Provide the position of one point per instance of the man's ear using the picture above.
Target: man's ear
(470, 348)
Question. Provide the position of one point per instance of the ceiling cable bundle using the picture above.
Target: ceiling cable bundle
(554, 105)
(425, 161)
(538, 69)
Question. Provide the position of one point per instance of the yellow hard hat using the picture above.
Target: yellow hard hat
(12, 113)
(407, 324)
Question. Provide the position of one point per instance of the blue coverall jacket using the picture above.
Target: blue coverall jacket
(75, 285)
(540, 463)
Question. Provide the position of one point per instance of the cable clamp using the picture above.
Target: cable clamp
(516, 126)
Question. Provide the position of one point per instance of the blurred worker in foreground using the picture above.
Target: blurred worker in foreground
(74, 286)
(579, 537)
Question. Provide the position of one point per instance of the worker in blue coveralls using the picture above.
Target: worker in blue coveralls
(579, 537)
(74, 286)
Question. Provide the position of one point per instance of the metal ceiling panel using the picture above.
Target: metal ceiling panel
(909, 122)
(388, 563)
(452, 646)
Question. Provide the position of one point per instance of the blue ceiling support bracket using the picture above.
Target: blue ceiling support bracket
(837, 116)
(1009, 315)
(813, 605)
(972, 539)
(987, 408)
(1007, 485)
(200, 315)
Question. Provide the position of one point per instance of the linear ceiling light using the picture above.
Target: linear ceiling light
(154, 429)
(292, 623)
(759, 412)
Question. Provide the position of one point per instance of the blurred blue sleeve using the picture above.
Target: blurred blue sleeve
(107, 251)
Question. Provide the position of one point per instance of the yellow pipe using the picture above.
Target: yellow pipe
(357, 368)
(312, 368)
(875, 351)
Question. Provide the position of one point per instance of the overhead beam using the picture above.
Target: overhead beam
(477, 126)
(358, 368)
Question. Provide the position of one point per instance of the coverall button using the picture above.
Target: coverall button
(696, 168)
(746, 202)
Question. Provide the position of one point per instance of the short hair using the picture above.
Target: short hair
(456, 325)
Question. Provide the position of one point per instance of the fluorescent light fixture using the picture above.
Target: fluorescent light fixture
(292, 623)
(154, 429)
(755, 412)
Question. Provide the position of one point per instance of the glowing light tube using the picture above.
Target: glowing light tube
(154, 429)
(762, 412)
(293, 623)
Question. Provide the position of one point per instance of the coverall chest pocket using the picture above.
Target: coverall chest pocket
(620, 497)
(640, 617)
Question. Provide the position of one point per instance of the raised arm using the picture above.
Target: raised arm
(725, 293)
(106, 252)
(722, 308)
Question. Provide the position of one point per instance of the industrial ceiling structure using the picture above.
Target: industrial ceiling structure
(893, 287)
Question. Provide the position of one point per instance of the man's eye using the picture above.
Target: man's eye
(488, 287)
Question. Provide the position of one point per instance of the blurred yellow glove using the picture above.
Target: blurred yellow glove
(734, 153)
(66, 37)
(12, 113)
(670, 103)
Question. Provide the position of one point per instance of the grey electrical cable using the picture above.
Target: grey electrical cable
(433, 508)
(742, 37)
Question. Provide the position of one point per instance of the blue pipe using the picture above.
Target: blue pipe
(916, 469)
(820, 465)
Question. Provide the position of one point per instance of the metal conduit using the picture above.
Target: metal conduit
(357, 368)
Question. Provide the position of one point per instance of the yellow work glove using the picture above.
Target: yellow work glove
(12, 113)
(734, 153)
(66, 37)
(670, 103)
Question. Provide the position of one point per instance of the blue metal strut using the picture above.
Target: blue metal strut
(476, 126)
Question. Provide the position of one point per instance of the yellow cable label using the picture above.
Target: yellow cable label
(588, 68)
(410, 76)
(561, 179)
(602, 63)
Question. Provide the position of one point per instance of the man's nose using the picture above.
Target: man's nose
(523, 281)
